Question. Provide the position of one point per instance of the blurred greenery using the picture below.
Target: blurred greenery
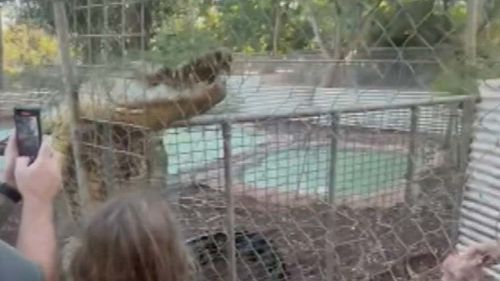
(27, 46)
(178, 30)
(185, 46)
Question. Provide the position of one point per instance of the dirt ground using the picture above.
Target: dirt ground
(392, 242)
(395, 243)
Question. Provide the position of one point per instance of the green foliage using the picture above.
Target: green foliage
(457, 77)
(243, 26)
(178, 30)
(26, 46)
(173, 50)
(458, 16)
(182, 33)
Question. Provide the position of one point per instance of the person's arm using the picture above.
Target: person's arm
(36, 240)
(39, 183)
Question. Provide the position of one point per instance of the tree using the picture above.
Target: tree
(341, 30)
(106, 30)
(458, 76)
(358, 25)
(248, 26)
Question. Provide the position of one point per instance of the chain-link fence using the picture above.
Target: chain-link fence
(297, 140)
(356, 192)
(28, 67)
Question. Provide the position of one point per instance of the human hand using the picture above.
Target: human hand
(41, 181)
(11, 153)
(468, 265)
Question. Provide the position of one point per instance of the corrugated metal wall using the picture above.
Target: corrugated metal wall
(480, 211)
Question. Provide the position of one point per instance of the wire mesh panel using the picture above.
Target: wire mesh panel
(335, 195)
(328, 146)
(386, 221)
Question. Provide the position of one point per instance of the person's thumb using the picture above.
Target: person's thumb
(45, 151)
(12, 138)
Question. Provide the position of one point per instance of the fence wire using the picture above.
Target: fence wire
(297, 140)
(283, 186)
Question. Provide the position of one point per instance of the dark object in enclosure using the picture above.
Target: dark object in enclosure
(199, 186)
(203, 69)
(256, 256)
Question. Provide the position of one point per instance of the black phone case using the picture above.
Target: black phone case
(32, 112)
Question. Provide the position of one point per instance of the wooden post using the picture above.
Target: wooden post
(107, 156)
(2, 86)
(231, 247)
(473, 18)
(156, 161)
(71, 97)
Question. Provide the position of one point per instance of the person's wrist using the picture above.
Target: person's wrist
(10, 181)
(37, 205)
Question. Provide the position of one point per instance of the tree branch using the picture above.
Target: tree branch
(316, 30)
(364, 24)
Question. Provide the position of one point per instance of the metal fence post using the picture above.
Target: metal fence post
(72, 98)
(449, 126)
(228, 177)
(107, 156)
(467, 122)
(331, 197)
(412, 153)
(466, 136)
(157, 160)
(450, 146)
(333, 158)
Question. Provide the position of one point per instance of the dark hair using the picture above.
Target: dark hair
(130, 239)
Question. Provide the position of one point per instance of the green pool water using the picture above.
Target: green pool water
(306, 171)
(190, 148)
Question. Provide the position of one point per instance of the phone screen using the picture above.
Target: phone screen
(27, 132)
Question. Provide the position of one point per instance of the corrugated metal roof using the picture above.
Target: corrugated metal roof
(480, 210)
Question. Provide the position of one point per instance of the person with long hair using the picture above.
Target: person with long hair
(132, 238)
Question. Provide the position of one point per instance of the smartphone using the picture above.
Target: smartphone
(28, 131)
